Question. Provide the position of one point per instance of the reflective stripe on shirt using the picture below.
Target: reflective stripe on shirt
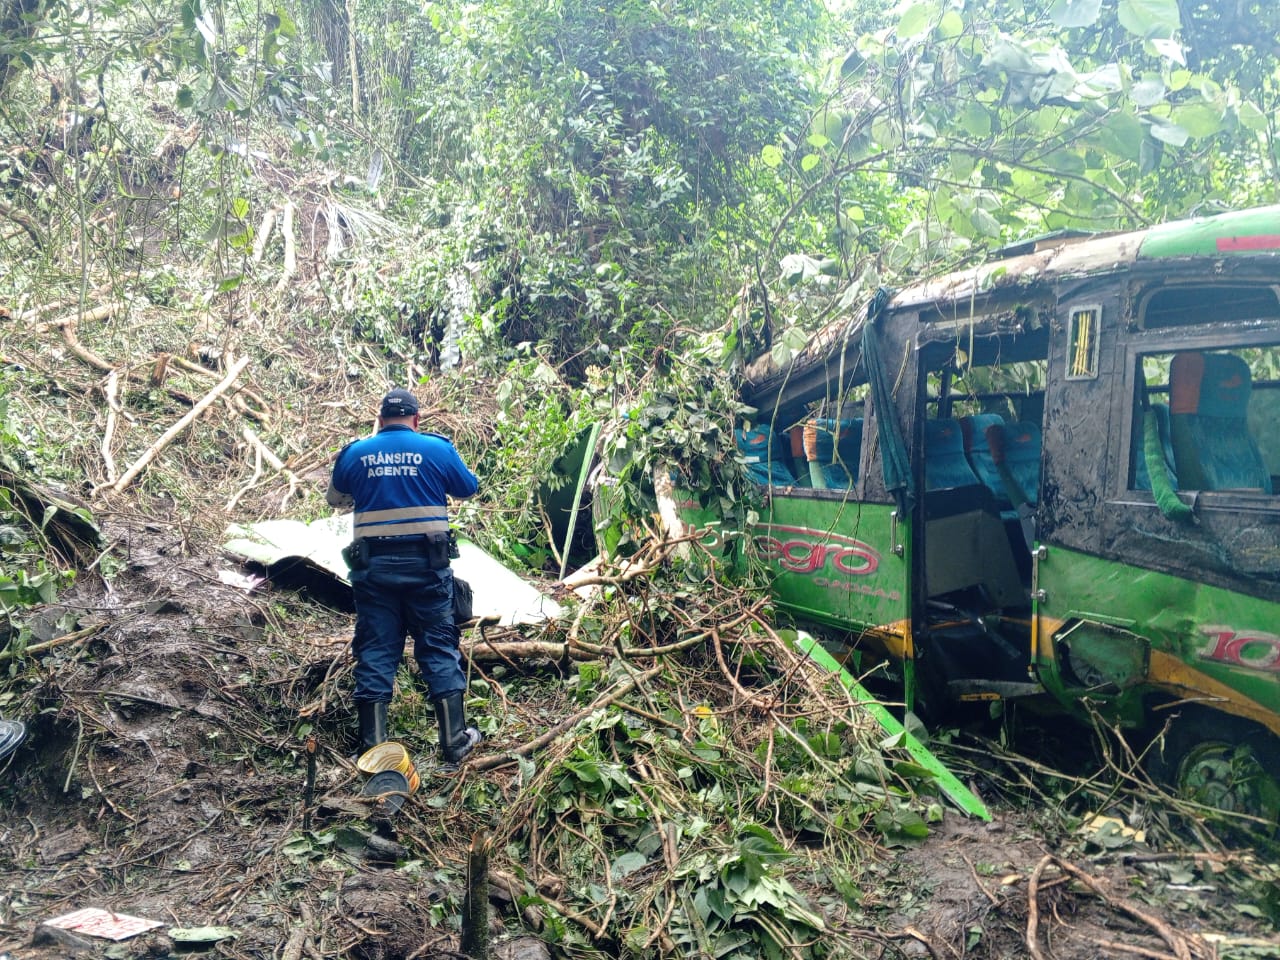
(401, 522)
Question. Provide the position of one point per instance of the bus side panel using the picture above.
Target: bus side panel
(1201, 642)
(834, 562)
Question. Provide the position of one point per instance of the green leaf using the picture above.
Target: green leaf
(1150, 18)
(1250, 117)
(1169, 133)
(1075, 13)
(851, 64)
(912, 771)
(1147, 92)
(1198, 119)
(915, 21)
(628, 863)
(952, 25)
(1172, 50)
(984, 223)
(1011, 57)
(976, 120)
(1122, 135)
(771, 156)
(809, 161)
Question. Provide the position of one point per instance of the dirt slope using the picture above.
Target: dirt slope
(165, 771)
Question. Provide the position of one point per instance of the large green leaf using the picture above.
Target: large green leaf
(1150, 18)
(1198, 119)
(1169, 133)
(917, 19)
(1075, 13)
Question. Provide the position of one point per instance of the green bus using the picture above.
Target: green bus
(1053, 477)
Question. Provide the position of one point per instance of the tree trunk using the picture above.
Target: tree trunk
(475, 906)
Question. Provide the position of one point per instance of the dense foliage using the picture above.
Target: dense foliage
(549, 216)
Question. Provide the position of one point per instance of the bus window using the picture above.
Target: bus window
(1185, 304)
(997, 410)
(1214, 415)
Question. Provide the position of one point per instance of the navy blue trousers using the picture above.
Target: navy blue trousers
(395, 596)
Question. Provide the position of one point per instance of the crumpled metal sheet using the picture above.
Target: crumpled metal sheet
(500, 593)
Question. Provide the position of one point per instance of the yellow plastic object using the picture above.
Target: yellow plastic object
(389, 756)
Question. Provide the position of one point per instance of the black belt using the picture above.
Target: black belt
(435, 549)
(392, 545)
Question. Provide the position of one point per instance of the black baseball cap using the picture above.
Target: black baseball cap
(398, 403)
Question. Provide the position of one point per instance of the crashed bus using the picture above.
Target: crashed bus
(1050, 478)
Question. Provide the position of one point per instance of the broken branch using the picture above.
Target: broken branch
(600, 703)
(113, 407)
(154, 450)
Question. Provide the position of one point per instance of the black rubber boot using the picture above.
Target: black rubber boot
(457, 740)
(372, 715)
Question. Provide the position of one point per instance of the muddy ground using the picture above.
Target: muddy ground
(164, 777)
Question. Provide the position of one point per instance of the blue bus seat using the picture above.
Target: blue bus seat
(945, 465)
(974, 430)
(1141, 478)
(1016, 447)
(762, 451)
(1208, 420)
(839, 450)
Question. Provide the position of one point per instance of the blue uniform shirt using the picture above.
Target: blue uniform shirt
(398, 481)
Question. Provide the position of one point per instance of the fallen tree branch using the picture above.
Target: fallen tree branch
(264, 234)
(1117, 947)
(602, 701)
(253, 481)
(1177, 942)
(67, 326)
(8, 654)
(10, 212)
(1033, 908)
(155, 449)
(488, 651)
(257, 409)
(290, 247)
(274, 461)
(112, 390)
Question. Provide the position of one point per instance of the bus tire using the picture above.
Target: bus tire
(1220, 761)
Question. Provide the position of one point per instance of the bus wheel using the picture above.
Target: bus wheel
(1221, 761)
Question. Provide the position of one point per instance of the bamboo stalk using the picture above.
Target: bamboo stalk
(50, 644)
(113, 406)
(290, 248)
(155, 449)
(264, 233)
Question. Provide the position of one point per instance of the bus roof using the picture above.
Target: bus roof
(1253, 232)
(1241, 233)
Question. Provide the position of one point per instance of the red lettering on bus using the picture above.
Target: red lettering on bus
(1255, 651)
(802, 550)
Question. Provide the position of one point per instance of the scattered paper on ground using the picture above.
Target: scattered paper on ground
(95, 922)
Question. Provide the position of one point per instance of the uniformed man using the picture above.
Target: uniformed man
(397, 481)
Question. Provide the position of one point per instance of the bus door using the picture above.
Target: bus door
(977, 466)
